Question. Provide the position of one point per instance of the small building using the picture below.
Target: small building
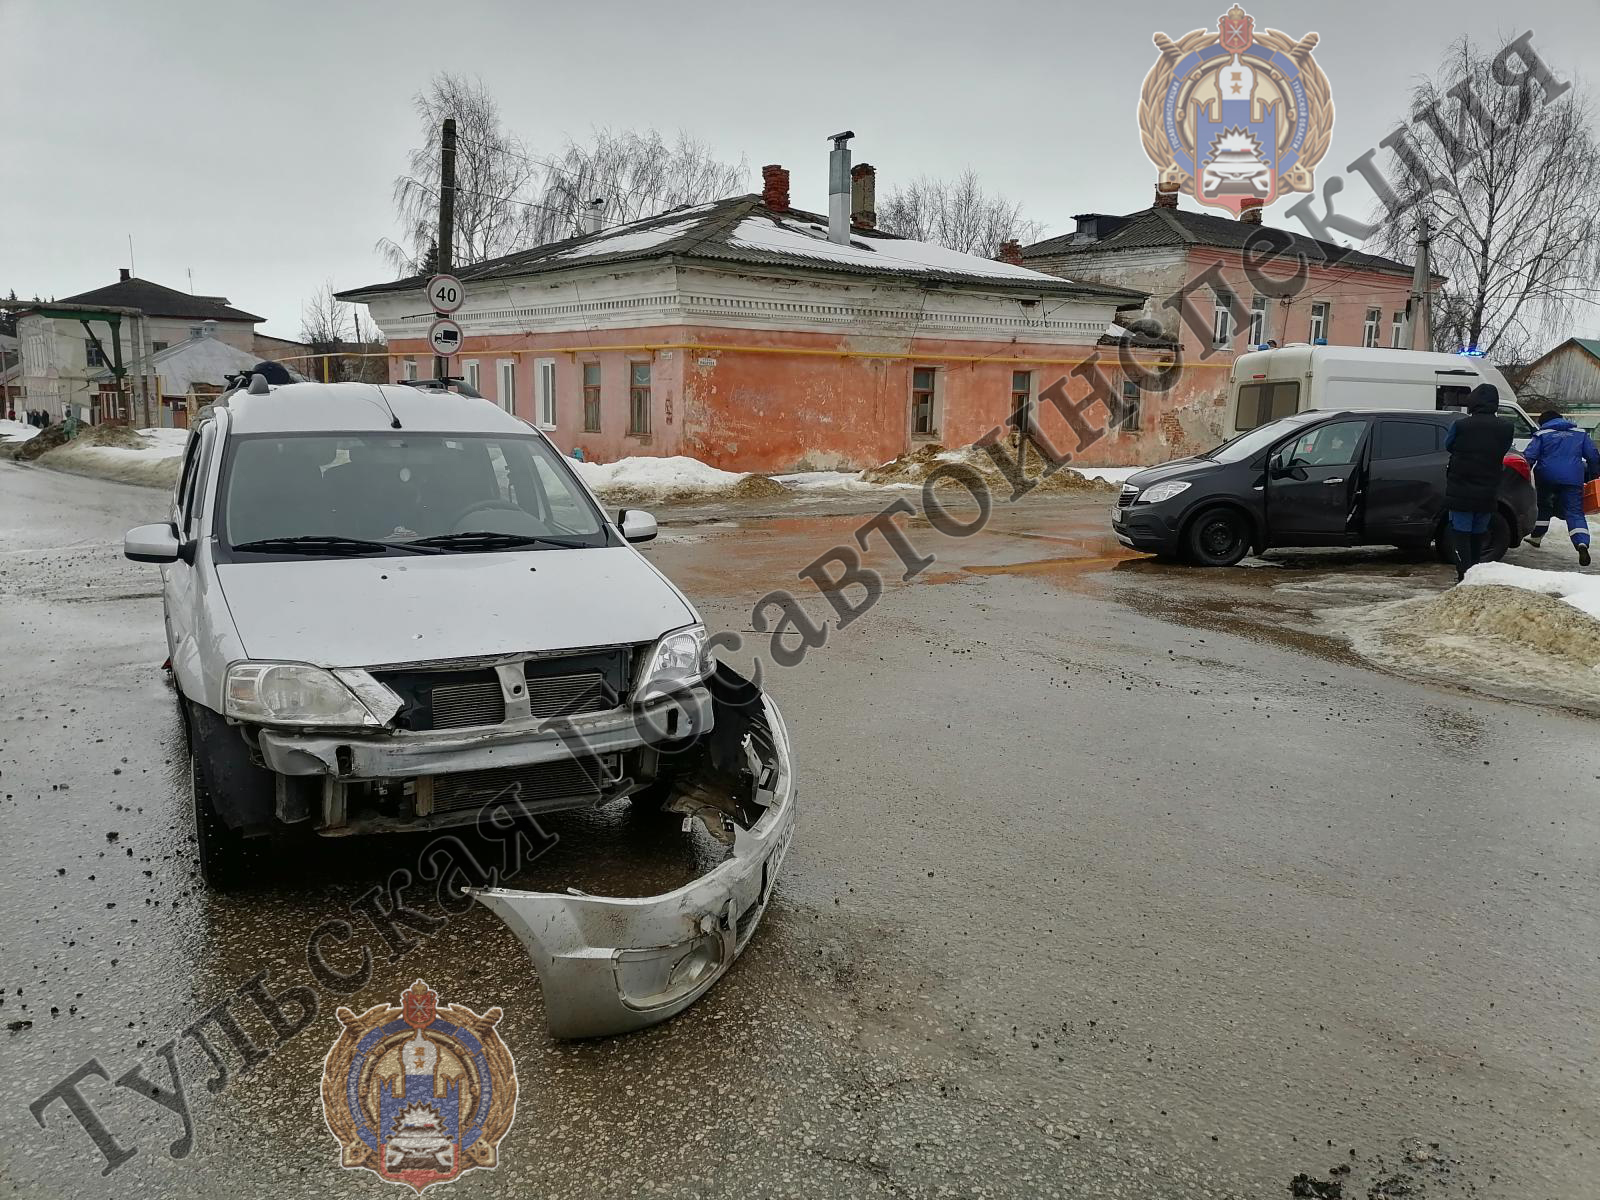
(1566, 377)
(61, 364)
(748, 334)
(179, 375)
(1348, 298)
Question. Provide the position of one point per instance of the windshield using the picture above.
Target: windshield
(333, 492)
(1247, 444)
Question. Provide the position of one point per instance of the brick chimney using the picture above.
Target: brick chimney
(124, 274)
(1167, 193)
(1250, 210)
(775, 188)
(1010, 252)
(864, 196)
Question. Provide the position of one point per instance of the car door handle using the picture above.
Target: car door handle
(1331, 482)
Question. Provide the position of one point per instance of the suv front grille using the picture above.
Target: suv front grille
(1126, 496)
(558, 685)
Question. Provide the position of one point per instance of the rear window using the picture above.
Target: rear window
(1263, 402)
(1407, 439)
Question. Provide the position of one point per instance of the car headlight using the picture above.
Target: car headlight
(678, 660)
(1161, 491)
(298, 694)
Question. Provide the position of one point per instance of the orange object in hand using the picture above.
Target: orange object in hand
(1591, 496)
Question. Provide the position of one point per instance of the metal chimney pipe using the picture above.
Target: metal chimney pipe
(593, 211)
(839, 189)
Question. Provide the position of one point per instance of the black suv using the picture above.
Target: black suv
(1313, 479)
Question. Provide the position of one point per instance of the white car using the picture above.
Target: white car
(1236, 172)
(394, 608)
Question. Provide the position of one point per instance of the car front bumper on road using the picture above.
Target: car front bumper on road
(1145, 527)
(610, 965)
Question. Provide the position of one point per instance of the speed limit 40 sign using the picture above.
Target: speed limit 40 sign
(446, 293)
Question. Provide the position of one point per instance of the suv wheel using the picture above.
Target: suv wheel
(222, 851)
(1499, 538)
(1218, 537)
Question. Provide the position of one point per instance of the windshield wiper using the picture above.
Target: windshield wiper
(321, 543)
(487, 540)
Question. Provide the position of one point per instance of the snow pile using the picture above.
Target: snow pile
(148, 456)
(628, 241)
(675, 478)
(915, 467)
(807, 239)
(1509, 631)
(16, 431)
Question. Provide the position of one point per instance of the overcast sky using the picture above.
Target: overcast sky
(256, 145)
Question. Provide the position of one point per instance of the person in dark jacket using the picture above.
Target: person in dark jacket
(1477, 443)
(1563, 457)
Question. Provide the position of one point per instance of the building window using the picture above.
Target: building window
(1127, 420)
(471, 375)
(507, 393)
(410, 368)
(924, 401)
(1258, 320)
(544, 382)
(591, 397)
(1397, 330)
(93, 355)
(639, 399)
(1319, 323)
(157, 347)
(1222, 321)
(1369, 327)
(1021, 393)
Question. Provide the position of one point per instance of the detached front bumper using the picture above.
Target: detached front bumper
(613, 965)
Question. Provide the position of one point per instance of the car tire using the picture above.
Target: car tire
(1217, 537)
(1499, 538)
(222, 852)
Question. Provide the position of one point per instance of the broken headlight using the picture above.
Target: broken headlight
(298, 694)
(680, 659)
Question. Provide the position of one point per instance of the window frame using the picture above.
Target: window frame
(1384, 424)
(932, 393)
(1258, 320)
(505, 384)
(591, 402)
(544, 393)
(1022, 397)
(1320, 318)
(1397, 327)
(1130, 417)
(1222, 329)
(408, 369)
(472, 374)
(1369, 328)
(636, 427)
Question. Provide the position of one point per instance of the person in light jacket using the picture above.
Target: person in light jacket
(1563, 457)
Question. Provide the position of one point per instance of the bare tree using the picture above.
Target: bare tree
(1510, 180)
(324, 319)
(495, 181)
(635, 173)
(957, 214)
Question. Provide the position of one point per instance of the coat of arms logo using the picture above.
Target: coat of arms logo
(419, 1094)
(1236, 114)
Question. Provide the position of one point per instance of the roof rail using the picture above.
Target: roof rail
(452, 383)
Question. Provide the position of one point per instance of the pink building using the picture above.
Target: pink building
(1345, 298)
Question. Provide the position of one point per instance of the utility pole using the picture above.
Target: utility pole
(447, 217)
(1419, 307)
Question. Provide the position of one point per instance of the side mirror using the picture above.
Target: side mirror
(152, 544)
(636, 525)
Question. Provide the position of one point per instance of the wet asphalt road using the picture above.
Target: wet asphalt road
(1111, 879)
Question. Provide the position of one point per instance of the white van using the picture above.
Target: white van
(1268, 384)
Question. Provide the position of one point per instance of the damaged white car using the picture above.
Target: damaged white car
(388, 608)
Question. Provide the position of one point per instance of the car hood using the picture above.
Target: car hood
(366, 612)
(1181, 468)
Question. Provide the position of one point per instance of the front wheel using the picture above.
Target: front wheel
(222, 851)
(1218, 537)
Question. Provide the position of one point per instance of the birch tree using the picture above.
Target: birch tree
(1510, 180)
(957, 214)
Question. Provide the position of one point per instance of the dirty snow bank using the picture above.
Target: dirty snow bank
(1536, 640)
(679, 477)
(16, 431)
(147, 456)
(915, 467)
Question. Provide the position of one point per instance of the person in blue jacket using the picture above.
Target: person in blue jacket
(1563, 457)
